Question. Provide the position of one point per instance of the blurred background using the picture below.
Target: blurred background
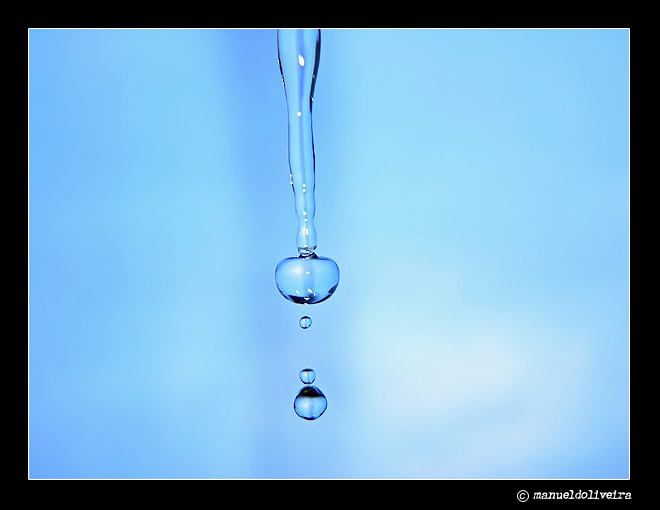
(472, 185)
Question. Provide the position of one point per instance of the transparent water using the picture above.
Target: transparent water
(310, 403)
(298, 52)
(306, 279)
(307, 375)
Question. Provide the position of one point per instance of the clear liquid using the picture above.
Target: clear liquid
(307, 279)
(310, 403)
(307, 375)
(298, 52)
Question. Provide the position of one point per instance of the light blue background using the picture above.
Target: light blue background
(473, 186)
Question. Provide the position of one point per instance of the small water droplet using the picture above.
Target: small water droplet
(305, 322)
(307, 375)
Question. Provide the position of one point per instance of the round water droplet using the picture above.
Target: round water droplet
(307, 375)
(307, 280)
(305, 322)
(310, 403)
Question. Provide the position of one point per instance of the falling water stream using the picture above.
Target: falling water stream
(308, 278)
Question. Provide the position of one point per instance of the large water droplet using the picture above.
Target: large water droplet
(310, 403)
(307, 280)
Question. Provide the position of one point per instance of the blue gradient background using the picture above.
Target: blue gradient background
(472, 185)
